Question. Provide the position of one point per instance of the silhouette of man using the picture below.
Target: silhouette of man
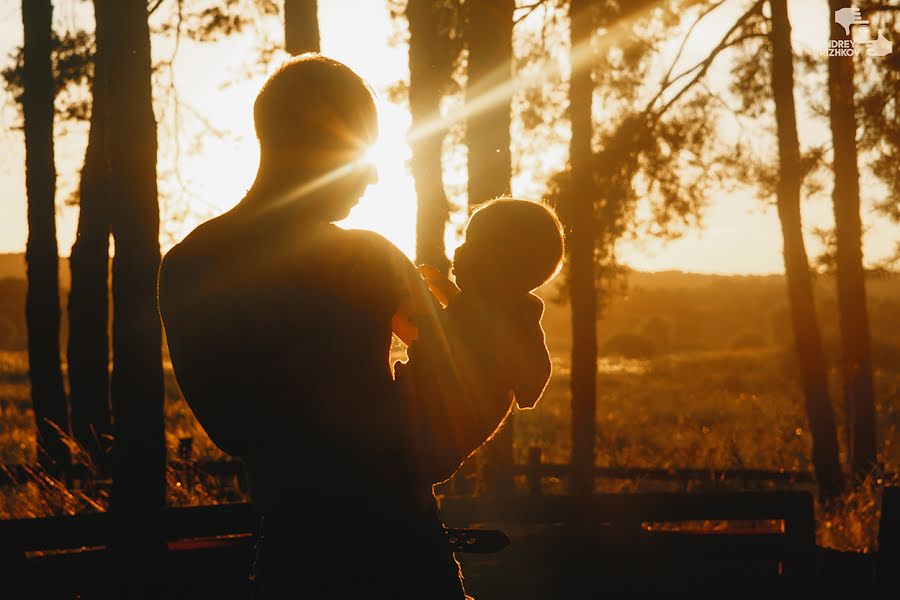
(279, 327)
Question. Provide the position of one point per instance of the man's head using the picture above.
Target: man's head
(314, 119)
(511, 246)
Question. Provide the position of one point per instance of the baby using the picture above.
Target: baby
(511, 248)
(489, 330)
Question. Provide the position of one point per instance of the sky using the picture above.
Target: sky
(739, 233)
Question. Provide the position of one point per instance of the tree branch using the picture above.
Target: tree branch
(703, 66)
(687, 36)
(530, 8)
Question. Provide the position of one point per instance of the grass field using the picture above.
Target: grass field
(700, 402)
(714, 410)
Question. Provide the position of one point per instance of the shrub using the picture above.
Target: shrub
(747, 340)
(885, 353)
(629, 345)
(658, 330)
(9, 335)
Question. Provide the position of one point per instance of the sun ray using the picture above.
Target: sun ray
(580, 58)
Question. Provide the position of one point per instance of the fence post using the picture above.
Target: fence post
(498, 461)
(533, 471)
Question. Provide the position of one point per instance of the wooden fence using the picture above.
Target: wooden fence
(559, 542)
(535, 471)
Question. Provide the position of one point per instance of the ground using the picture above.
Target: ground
(694, 390)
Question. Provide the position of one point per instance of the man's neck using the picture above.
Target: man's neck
(279, 194)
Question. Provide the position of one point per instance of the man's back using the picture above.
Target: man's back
(279, 333)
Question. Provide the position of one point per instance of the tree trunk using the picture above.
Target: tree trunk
(88, 351)
(427, 77)
(139, 454)
(489, 30)
(42, 311)
(856, 360)
(826, 459)
(580, 246)
(301, 26)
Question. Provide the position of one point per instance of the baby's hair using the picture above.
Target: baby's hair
(526, 237)
(315, 102)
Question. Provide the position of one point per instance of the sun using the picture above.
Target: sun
(224, 171)
(389, 206)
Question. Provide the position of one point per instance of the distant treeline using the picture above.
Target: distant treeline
(13, 286)
(671, 311)
(657, 313)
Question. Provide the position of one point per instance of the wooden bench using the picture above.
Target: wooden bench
(563, 545)
(888, 566)
(208, 548)
(622, 544)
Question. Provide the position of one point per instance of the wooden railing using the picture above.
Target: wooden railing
(534, 470)
(210, 548)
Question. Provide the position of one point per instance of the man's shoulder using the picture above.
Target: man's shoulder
(181, 259)
(369, 240)
(203, 240)
(190, 241)
(173, 262)
(385, 269)
(376, 251)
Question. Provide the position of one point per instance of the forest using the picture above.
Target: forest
(668, 129)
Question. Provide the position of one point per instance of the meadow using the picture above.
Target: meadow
(696, 373)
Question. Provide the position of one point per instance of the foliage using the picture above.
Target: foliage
(72, 58)
(878, 104)
(660, 330)
(629, 345)
(656, 162)
(220, 20)
(747, 340)
(877, 93)
(73, 51)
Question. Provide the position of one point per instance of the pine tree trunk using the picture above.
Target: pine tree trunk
(42, 312)
(489, 30)
(856, 360)
(580, 244)
(489, 40)
(139, 454)
(426, 81)
(826, 459)
(88, 351)
(301, 26)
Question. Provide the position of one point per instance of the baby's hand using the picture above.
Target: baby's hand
(403, 326)
(442, 289)
(440, 285)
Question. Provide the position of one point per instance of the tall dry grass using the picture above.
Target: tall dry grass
(727, 409)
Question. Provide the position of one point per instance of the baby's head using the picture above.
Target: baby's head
(511, 246)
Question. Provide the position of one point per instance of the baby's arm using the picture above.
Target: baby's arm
(442, 290)
(403, 323)
(531, 366)
(439, 284)
(456, 393)
(534, 373)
